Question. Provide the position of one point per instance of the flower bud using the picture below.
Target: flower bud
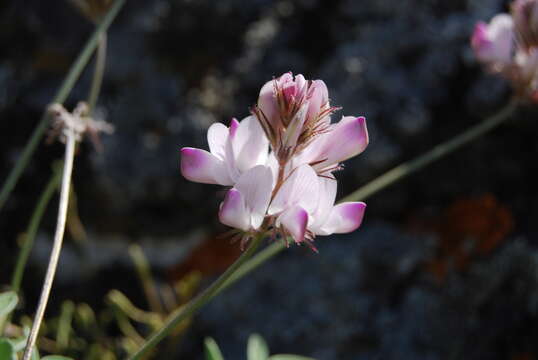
(292, 110)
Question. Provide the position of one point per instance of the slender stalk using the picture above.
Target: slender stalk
(98, 72)
(60, 97)
(199, 301)
(29, 236)
(409, 167)
(57, 246)
(254, 262)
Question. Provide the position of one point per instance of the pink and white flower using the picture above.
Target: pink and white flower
(494, 43)
(232, 152)
(289, 190)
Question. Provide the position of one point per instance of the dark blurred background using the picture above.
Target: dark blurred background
(445, 265)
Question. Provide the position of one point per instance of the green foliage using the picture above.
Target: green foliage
(257, 348)
(6, 350)
(55, 357)
(8, 301)
(212, 351)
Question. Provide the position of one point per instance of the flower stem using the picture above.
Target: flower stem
(57, 246)
(195, 304)
(29, 236)
(409, 167)
(60, 97)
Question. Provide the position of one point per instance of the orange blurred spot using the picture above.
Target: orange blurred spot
(211, 257)
(523, 356)
(468, 229)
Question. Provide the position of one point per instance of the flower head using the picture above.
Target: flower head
(293, 111)
(280, 161)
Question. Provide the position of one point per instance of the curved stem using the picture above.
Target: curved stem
(29, 236)
(98, 73)
(60, 97)
(57, 246)
(195, 304)
(409, 167)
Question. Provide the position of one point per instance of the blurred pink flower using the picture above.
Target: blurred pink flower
(493, 43)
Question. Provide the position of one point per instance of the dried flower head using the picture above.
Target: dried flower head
(77, 123)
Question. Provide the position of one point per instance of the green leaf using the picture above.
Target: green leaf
(212, 351)
(257, 348)
(55, 357)
(8, 301)
(6, 350)
(289, 357)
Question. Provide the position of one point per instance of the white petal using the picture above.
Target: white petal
(327, 195)
(300, 188)
(229, 158)
(294, 220)
(256, 186)
(233, 211)
(217, 134)
(250, 145)
(344, 218)
(203, 167)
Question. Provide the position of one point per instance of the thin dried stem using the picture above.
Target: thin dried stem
(57, 246)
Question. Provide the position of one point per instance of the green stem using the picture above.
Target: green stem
(29, 237)
(409, 167)
(60, 97)
(199, 301)
(98, 73)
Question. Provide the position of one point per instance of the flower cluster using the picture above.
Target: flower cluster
(280, 162)
(509, 45)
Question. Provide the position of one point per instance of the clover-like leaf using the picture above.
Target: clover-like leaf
(257, 348)
(212, 351)
(6, 350)
(8, 301)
